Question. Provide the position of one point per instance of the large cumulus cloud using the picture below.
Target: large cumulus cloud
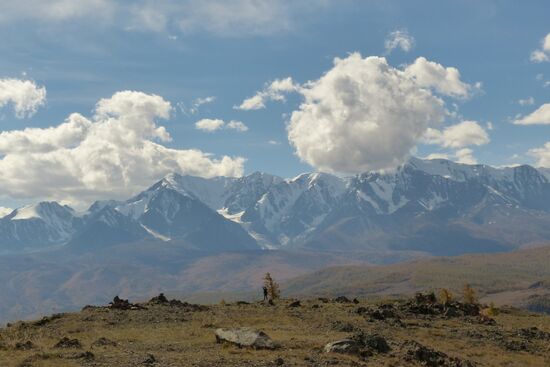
(364, 114)
(113, 154)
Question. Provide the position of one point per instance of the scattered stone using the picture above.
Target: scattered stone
(374, 342)
(364, 345)
(245, 337)
(342, 299)
(279, 361)
(323, 300)
(47, 319)
(294, 304)
(159, 300)
(104, 342)
(344, 346)
(515, 345)
(28, 345)
(343, 326)
(533, 333)
(84, 355)
(355, 301)
(67, 343)
(432, 358)
(120, 304)
(150, 360)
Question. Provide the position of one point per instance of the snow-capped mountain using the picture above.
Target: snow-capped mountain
(432, 206)
(37, 226)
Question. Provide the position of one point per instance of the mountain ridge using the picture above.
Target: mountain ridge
(422, 202)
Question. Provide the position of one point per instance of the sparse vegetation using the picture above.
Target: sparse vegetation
(469, 294)
(445, 296)
(408, 332)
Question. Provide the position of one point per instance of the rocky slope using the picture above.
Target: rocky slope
(308, 332)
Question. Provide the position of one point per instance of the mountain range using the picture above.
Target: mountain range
(425, 207)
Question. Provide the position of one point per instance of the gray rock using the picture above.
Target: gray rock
(245, 337)
(344, 346)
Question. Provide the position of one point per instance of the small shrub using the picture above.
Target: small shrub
(491, 310)
(445, 296)
(273, 290)
(469, 295)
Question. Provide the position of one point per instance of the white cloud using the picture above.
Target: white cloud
(465, 156)
(24, 95)
(114, 154)
(55, 10)
(445, 81)
(529, 101)
(196, 105)
(4, 211)
(541, 116)
(489, 125)
(211, 125)
(274, 91)
(225, 18)
(401, 39)
(459, 135)
(364, 114)
(543, 53)
(542, 155)
(273, 142)
(237, 125)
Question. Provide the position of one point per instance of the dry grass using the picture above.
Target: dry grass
(180, 337)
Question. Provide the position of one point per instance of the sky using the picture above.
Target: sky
(100, 98)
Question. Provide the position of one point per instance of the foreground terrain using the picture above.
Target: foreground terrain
(418, 331)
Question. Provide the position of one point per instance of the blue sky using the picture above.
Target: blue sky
(182, 51)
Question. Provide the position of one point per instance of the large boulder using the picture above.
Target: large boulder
(245, 337)
(344, 346)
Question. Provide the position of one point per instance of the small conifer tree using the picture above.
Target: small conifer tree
(273, 290)
(469, 294)
(445, 296)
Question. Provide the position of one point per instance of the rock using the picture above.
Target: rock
(515, 345)
(323, 300)
(344, 346)
(486, 320)
(25, 345)
(279, 361)
(355, 301)
(374, 342)
(150, 360)
(67, 343)
(433, 358)
(343, 326)
(104, 342)
(242, 303)
(294, 304)
(245, 337)
(46, 320)
(159, 300)
(533, 333)
(84, 355)
(342, 299)
(120, 304)
(425, 298)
